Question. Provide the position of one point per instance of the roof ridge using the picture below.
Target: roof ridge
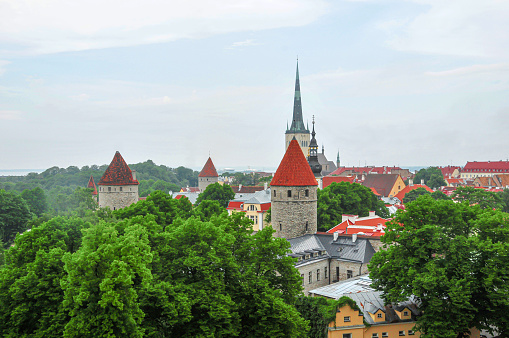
(118, 173)
(294, 169)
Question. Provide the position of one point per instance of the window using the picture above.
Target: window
(349, 273)
(306, 193)
(275, 193)
(405, 313)
(120, 188)
(347, 319)
(411, 333)
(401, 333)
(347, 335)
(109, 188)
(289, 193)
(307, 226)
(310, 277)
(318, 274)
(385, 335)
(379, 315)
(280, 226)
(325, 272)
(256, 219)
(374, 335)
(337, 272)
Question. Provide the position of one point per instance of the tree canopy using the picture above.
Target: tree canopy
(453, 258)
(14, 215)
(217, 192)
(483, 198)
(346, 198)
(432, 177)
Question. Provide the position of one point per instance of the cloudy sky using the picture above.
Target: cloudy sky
(390, 82)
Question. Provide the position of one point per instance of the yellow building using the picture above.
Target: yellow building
(255, 206)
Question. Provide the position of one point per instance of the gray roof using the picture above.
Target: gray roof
(259, 197)
(344, 248)
(352, 285)
(193, 196)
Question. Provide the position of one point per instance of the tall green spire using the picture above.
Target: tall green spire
(297, 121)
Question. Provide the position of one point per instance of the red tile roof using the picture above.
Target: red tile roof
(91, 184)
(370, 226)
(400, 195)
(328, 180)
(118, 173)
(447, 171)
(365, 170)
(494, 167)
(383, 183)
(190, 189)
(208, 170)
(294, 169)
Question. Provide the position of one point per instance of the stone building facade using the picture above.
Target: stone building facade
(208, 175)
(118, 187)
(294, 195)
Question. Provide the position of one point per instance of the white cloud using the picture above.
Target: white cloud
(60, 25)
(245, 43)
(10, 115)
(453, 27)
(3, 63)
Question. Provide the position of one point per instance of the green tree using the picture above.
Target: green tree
(30, 292)
(413, 194)
(217, 192)
(319, 312)
(483, 198)
(438, 195)
(453, 258)
(346, 198)
(504, 196)
(103, 282)
(14, 214)
(207, 208)
(36, 200)
(432, 177)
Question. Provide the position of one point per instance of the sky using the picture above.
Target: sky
(390, 82)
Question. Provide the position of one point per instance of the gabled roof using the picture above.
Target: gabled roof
(91, 184)
(294, 169)
(490, 166)
(400, 195)
(449, 170)
(118, 173)
(328, 180)
(208, 170)
(383, 183)
(246, 189)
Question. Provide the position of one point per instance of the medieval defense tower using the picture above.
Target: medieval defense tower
(208, 175)
(118, 187)
(293, 195)
(297, 130)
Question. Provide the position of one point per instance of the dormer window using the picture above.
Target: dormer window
(405, 313)
(379, 315)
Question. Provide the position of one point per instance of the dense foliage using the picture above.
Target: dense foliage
(432, 177)
(483, 198)
(453, 258)
(414, 194)
(217, 192)
(346, 198)
(158, 268)
(14, 215)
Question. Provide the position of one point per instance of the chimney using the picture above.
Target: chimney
(336, 234)
(240, 187)
(372, 214)
(422, 181)
(265, 186)
(134, 174)
(354, 238)
(410, 182)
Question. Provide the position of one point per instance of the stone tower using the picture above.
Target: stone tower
(91, 185)
(293, 195)
(208, 175)
(118, 187)
(297, 130)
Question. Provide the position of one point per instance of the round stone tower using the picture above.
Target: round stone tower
(208, 175)
(293, 195)
(118, 187)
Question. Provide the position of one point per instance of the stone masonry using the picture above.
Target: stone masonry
(117, 197)
(294, 210)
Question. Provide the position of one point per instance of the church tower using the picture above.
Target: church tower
(297, 129)
(208, 175)
(118, 187)
(293, 195)
(314, 164)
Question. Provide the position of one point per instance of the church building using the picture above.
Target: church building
(297, 129)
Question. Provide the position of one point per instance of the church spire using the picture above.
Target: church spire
(297, 121)
(337, 160)
(316, 168)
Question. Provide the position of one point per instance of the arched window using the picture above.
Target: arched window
(280, 226)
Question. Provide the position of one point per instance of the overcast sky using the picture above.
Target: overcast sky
(409, 83)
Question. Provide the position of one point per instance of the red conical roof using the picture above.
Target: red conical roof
(91, 184)
(208, 170)
(118, 173)
(294, 169)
